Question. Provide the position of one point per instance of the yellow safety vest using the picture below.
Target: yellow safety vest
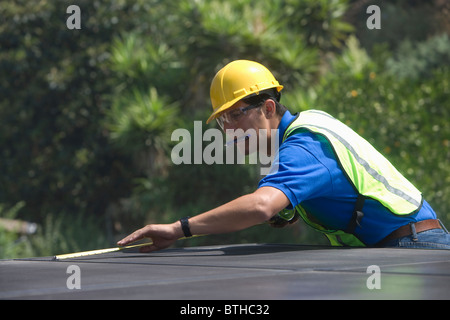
(370, 173)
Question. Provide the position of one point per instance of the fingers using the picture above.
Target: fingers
(162, 237)
(135, 236)
(127, 240)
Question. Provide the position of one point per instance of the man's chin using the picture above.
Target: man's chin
(246, 148)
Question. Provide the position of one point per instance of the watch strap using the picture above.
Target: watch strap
(185, 227)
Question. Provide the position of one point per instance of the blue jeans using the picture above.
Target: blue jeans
(430, 239)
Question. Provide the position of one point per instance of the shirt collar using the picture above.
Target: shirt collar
(286, 120)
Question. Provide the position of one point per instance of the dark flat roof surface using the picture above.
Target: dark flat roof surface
(235, 272)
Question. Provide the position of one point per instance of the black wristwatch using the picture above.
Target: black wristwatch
(185, 227)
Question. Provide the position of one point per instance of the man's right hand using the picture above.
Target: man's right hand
(162, 236)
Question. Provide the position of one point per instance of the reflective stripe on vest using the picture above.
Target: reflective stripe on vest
(370, 172)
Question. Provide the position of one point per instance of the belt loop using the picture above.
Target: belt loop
(357, 215)
(413, 231)
(442, 225)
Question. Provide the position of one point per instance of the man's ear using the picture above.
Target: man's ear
(270, 108)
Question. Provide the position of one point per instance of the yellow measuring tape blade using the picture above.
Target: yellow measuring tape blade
(99, 251)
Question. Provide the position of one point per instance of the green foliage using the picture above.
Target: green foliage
(57, 234)
(141, 121)
(53, 88)
(400, 20)
(419, 59)
(11, 243)
(320, 22)
(64, 233)
(139, 61)
(86, 115)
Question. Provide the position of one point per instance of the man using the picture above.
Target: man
(323, 172)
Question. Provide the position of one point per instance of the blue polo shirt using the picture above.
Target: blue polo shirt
(308, 173)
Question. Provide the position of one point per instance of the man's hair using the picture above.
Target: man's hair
(262, 96)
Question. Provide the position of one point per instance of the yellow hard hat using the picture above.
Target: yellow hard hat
(237, 80)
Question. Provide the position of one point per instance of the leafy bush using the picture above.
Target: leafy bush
(419, 59)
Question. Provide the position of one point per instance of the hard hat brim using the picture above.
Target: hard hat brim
(229, 104)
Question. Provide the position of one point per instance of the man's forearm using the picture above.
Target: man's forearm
(241, 213)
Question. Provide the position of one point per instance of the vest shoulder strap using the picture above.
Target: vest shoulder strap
(370, 173)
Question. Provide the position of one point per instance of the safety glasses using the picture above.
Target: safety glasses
(232, 117)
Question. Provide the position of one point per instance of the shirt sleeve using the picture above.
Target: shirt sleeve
(299, 170)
